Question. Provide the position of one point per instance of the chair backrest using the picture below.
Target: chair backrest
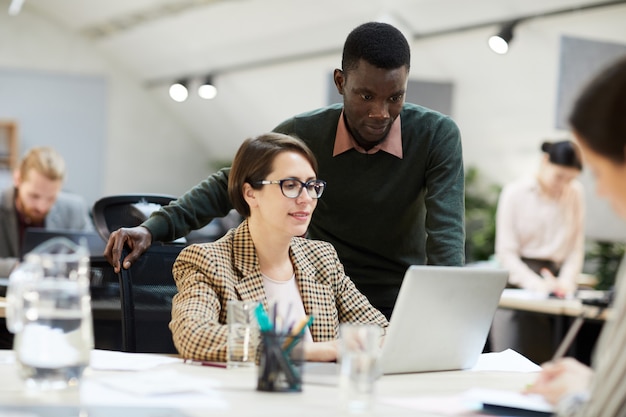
(125, 210)
(147, 288)
(146, 291)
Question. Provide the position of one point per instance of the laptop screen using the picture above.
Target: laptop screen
(34, 236)
(441, 318)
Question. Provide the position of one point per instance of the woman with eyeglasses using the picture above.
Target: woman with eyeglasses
(598, 121)
(273, 184)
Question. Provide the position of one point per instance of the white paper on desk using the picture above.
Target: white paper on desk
(511, 399)
(156, 382)
(7, 357)
(521, 294)
(507, 360)
(109, 360)
(154, 388)
(452, 405)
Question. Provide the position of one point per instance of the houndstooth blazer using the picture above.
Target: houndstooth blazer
(208, 275)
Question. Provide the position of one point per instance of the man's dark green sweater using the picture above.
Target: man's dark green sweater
(381, 213)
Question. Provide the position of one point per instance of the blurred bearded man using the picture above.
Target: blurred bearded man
(36, 200)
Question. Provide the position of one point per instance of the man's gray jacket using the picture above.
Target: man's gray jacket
(69, 212)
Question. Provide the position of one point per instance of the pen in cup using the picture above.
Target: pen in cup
(298, 330)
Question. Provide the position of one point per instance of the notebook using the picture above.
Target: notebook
(440, 321)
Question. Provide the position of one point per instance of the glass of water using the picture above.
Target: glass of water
(243, 333)
(54, 344)
(359, 348)
(50, 308)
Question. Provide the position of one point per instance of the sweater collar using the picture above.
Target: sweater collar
(344, 140)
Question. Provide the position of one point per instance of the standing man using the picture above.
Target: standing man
(395, 194)
(36, 200)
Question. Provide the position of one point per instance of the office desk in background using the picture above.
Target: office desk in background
(104, 288)
(515, 299)
(223, 392)
(562, 312)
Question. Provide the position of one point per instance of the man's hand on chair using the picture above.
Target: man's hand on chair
(138, 239)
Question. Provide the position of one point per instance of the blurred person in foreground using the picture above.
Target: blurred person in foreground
(598, 122)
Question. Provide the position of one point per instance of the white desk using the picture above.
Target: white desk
(238, 394)
(523, 300)
(562, 313)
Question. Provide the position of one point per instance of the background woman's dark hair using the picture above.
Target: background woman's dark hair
(254, 161)
(599, 114)
(379, 44)
(564, 153)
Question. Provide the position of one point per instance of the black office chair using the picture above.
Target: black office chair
(146, 291)
(125, 210)
(147, 288)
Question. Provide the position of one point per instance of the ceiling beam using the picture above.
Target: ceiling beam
(416, 37)
(130, 21)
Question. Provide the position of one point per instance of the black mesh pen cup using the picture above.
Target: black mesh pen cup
(281, 362)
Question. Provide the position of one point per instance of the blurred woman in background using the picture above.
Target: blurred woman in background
(540, 224)
(540, 241)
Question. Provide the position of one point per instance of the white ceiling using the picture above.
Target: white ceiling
(164, 39)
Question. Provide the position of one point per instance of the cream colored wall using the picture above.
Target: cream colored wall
(505, 105)
(147, 148)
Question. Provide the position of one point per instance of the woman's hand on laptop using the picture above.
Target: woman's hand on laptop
(321, 351)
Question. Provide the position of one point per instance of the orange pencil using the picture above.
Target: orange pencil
(299, 328)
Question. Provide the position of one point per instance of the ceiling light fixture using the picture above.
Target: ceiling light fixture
(500, 43)
(178, 91)
(207, 89)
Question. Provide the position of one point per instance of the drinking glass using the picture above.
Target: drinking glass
(359, 347)
(49, 308)
(243, 333)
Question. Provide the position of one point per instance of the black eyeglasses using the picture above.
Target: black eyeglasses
(292, 187)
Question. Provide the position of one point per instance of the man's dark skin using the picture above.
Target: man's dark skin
(372, 100)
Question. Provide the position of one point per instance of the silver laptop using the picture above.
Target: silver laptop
(441, 318)
(440, 321)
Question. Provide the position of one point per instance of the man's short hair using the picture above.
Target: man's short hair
(44, 160)
(379, 44)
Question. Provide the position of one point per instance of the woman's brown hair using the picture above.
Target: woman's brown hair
(254, 161)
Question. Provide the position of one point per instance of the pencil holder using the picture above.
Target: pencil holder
(280, 362)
